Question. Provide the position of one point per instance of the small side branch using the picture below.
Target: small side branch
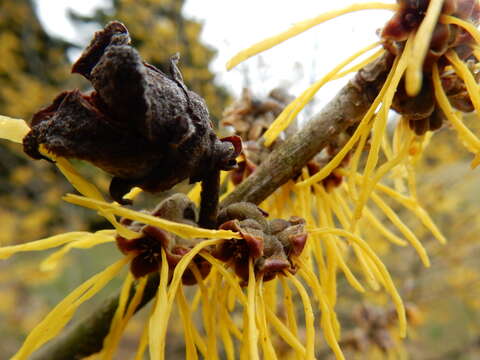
(209, 200)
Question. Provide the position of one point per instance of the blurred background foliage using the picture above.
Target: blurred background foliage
(159, 30)
(444, 300)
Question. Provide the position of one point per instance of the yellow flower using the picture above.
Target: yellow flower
(250, 320)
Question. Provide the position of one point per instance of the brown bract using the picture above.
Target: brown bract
(270, 244)
(147, 249)
(139, 124)
(422, 111)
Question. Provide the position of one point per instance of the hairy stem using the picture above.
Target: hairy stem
(344, 110)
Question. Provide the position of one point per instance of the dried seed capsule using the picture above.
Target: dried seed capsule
(139, 124)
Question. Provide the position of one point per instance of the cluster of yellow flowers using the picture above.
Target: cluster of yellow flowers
(250, 320)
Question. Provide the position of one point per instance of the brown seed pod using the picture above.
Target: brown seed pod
(139, 124)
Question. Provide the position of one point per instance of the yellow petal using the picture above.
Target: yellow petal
(468, 138)
(292, 110)
(139, 355)
(88, 189)
(186, 316)
(302, 27)
(13, 129)
(422, 38)
(157, 325)
(364, 127)
(85, 242)
(360, 65)
(159, 320)
(252, 334)
(225, 334)
(329, 321)
(109, 343)
(209, 303)
(43, 244)
(183, 230)
(465, 74)
(83, 186)
(289, 307)
(387, 280)
(133, 193)
(309, 317)
(333, 205)
(468, 26)
(409, 235)
(264, 333)
(378, 131)
(121, 316)
(285, 333)
(233, 282)
(56, 320)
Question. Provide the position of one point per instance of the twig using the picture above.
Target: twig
(209, 200)
(344, 110)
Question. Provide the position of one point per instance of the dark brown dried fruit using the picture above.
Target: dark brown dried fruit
(147, 249)
(271, 245)
(140, 125)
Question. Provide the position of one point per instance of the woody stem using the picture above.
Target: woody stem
(209, 200)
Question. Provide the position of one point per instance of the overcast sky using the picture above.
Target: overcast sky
(231, 25)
